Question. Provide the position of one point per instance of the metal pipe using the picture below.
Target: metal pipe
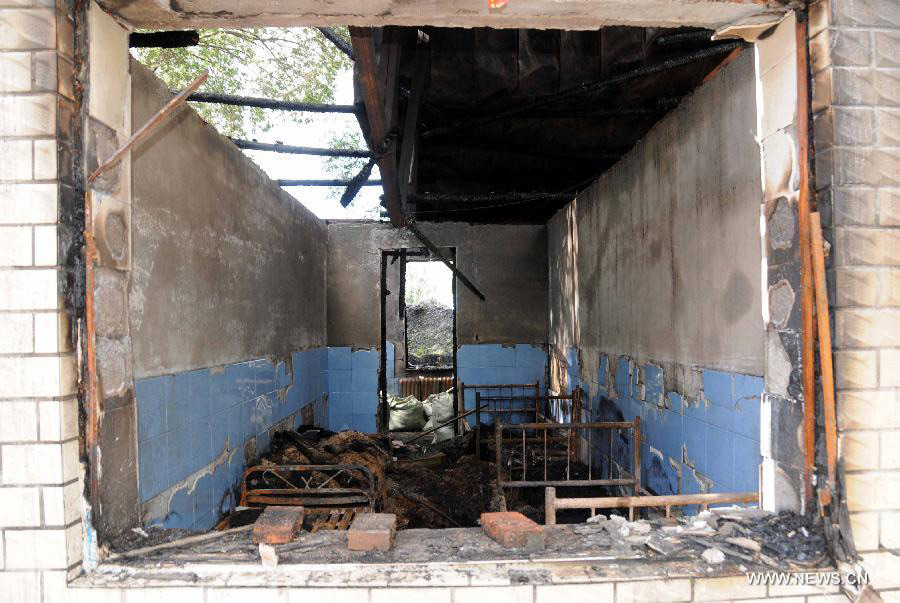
(325, 182)
(684, 37)
(330, 34)
(295, 150)
(619, 502)
(268, 103)
(164, 39)
(488, 197)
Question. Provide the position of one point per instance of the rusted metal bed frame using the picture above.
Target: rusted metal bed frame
(539, 406)
(324, 508)
(301, 490)
(573, 442)
(552, 503)
(498, 388)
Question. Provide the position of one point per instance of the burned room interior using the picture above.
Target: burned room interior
(610, 374)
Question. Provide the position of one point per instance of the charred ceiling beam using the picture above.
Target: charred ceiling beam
(583, 89)
(357, 183)
(491, 200)
(164, 39)
(268, 103)
(409, 143)
(381, 136)
(326, 182)
(684, 37)
(525, 151)
(332, 35)
(278, 147)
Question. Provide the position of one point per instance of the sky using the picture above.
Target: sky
(316, 133)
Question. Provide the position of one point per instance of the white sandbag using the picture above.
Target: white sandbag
(406, 414)
(439, 408)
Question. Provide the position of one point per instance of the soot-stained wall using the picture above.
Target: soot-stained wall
(221, 252)
(226, 313)
(655, 303)
(507, 263)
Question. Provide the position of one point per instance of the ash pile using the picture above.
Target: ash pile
(744, 538)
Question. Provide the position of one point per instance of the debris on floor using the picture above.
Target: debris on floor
(607, 544)
(425, 485)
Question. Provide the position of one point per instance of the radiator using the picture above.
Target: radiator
(422, 387)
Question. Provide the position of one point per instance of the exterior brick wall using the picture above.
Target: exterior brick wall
(40, 522)
(857, 100)
(855, 58)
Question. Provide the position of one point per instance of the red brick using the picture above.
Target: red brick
(372, 532)
(278, 525)
(513, 530)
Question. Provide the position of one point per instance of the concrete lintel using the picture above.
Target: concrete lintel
(542, 14)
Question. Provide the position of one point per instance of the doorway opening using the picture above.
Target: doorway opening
(429, 314)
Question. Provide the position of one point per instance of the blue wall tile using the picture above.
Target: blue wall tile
(340, 380)
(178, 401)
(719, 457)
(623, 377)
(364, 403)
(199, 386)
(496, 355)
(181, 511)
(717, 388)
(178, 455)
(339, 358)
(364, 380)
(746, 417)
(153, 473)
(150, 397)
(218, 424)
(364, 359)
(694, 433)
(746, 464)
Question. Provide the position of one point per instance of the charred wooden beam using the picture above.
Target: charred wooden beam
(577, 91)
(338, 40)
(268, 103)
(684, 37)
(411, 224)
(613, 154)
(278, 147)
(164, 39)
(409, 148)
(326, 182)
(357, 182)
(488, 198)
(381, 137)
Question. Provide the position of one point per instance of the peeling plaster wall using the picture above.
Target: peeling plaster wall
(106, 127)
(226, 313)
(222, 254)
(655, 303)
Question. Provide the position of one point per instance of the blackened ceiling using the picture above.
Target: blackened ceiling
(506, 113)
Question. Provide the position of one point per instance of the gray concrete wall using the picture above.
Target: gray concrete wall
(507, 263)
(660, 258)
(226, 265)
